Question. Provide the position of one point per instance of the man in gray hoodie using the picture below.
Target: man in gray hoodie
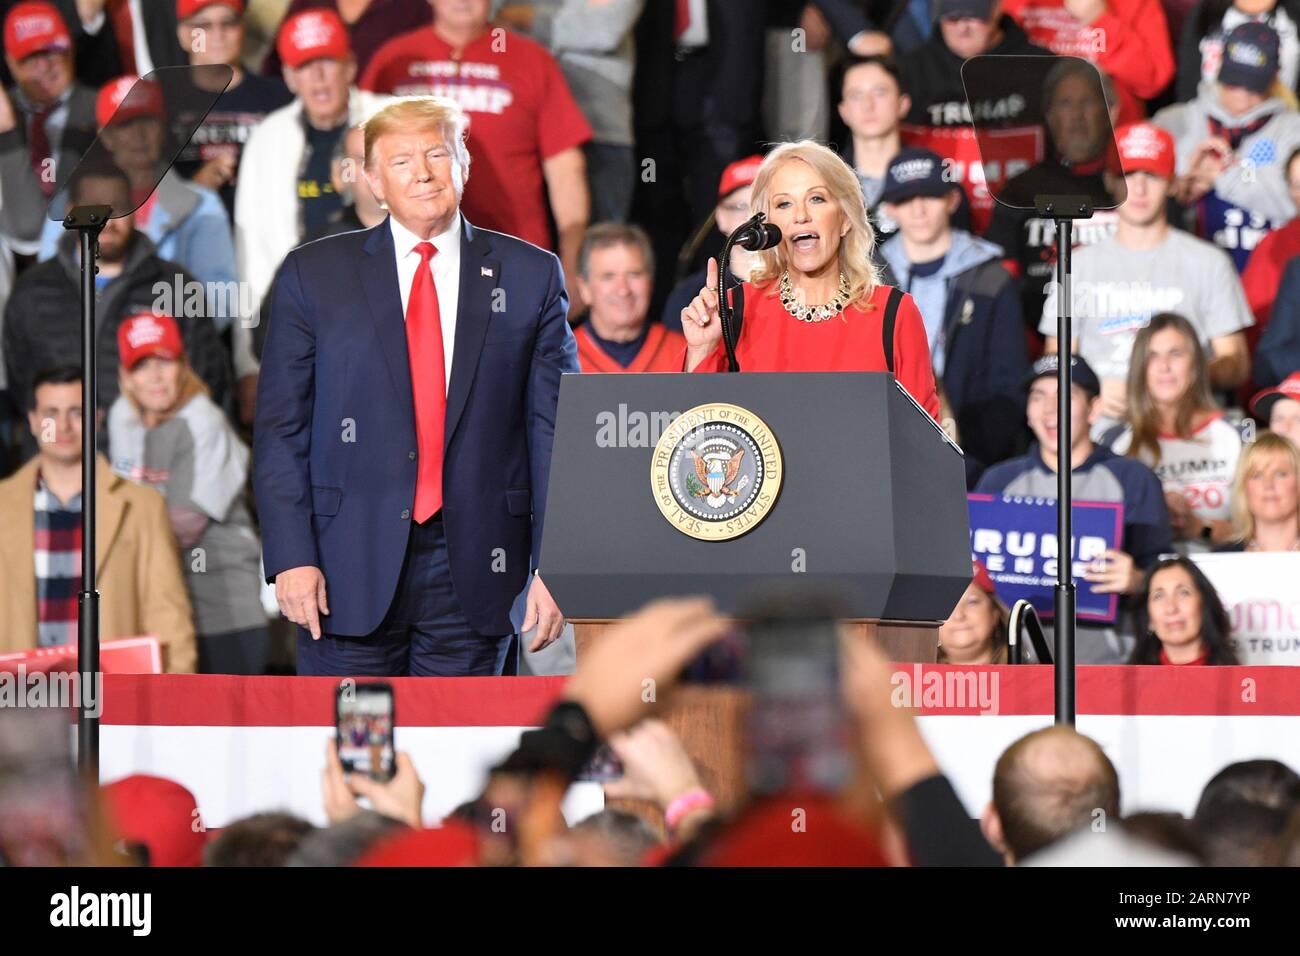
(1232, 143)
(968, 301)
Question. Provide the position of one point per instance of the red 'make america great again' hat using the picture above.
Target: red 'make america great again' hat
(34, 28)
(1145, 148)
(144, 335)
(313, 35)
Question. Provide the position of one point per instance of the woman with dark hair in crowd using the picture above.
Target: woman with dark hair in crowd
(976, 631)
(1176, 428)
(1265, 498)
(1179, 618)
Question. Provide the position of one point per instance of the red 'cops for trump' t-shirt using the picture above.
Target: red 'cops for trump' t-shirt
(521, 113)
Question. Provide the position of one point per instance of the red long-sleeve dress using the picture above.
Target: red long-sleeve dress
(772, 340)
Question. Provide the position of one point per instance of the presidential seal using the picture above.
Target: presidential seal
(716, 472)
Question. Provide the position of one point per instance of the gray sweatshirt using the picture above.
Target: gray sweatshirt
(1257, 181)
(592, 40)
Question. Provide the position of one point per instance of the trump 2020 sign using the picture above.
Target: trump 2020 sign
(1015, 537)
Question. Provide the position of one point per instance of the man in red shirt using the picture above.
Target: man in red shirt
(526, 130)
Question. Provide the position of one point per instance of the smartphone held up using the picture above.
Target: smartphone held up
(364, 728)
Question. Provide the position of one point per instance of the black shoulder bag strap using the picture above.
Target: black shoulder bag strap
(891, 316)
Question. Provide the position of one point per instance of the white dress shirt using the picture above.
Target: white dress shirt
(696, 33)
(445, 266)
(139, 40)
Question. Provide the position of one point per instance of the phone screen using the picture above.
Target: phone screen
(364, 714)
(722, 662)
(797, 729)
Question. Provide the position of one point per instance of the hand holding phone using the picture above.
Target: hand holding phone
(656, 765)
(400, 798)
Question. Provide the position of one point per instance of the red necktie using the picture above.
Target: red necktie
(428, 383)
(119, 14)
(682, 18)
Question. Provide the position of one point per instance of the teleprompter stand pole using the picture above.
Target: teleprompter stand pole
(1064, 210)
(88, 221)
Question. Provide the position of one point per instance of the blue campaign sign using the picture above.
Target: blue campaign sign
(1235, 230)
(1015, 537)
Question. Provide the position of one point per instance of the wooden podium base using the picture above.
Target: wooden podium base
(709, 720)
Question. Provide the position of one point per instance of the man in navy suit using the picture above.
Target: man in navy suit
(405, 416)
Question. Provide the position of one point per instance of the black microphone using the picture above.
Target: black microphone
(756, 235)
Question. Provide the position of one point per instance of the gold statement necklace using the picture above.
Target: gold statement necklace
(813, 313)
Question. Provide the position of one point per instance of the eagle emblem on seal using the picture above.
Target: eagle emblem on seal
(717, 473)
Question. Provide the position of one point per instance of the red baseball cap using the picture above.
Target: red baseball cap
(187, 8)
(311, 35)
(159, 813)
(126, 98)
(33, 28)
(762, 836)
(740, 173)
(981, 578)
(144, 335)
(452, 844)
(1145, 148)
(1261, 406)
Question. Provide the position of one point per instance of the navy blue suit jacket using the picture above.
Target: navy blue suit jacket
(334, 458)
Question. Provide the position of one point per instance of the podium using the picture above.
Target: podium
(725, 485)
(864, 494)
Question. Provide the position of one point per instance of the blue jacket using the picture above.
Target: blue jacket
(681, 296)
(1103, 476)
(334, 459)
(971, 306)
(1278, 353)
(188, 226)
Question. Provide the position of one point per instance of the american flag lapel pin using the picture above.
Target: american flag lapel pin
(485, 271)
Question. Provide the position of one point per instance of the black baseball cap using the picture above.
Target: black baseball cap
(1081, 373)
(915, 172)
(979, 9)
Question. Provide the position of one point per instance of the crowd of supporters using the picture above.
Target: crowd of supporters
(856, 785)
(624, 136)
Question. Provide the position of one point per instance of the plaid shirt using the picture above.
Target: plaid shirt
(58, 566)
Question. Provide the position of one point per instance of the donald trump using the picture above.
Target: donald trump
(405, 417)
